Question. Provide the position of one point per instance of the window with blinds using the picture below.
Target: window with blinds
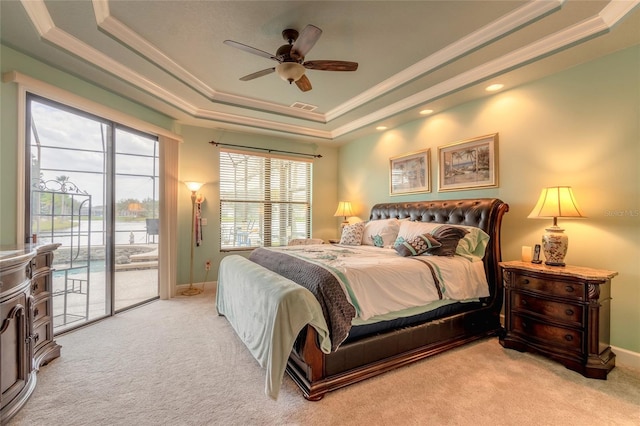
(265, 200)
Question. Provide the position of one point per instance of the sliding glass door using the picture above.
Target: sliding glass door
(93, 188)
(137, 221)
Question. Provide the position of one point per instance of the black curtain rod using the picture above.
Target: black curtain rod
(267, 149)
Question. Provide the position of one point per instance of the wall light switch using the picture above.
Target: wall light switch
(203, 221)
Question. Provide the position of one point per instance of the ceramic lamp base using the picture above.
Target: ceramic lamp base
(554, 245)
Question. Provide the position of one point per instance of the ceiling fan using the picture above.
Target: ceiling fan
(290, 57)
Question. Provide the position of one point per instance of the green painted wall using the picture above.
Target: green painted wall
(8, 155)
(580, 128)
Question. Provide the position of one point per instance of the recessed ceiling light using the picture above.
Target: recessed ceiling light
(381, 128)
(426, 112)
(494, 87)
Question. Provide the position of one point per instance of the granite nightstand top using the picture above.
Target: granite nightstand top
(569, 271)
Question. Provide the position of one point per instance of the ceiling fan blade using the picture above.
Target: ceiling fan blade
(250, 49)
(303, 83)
(307, 39)
(257, 74)
(328, 65)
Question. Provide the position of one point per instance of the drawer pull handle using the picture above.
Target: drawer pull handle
(34, 287)
(569, 312)
(568, 337)
(523, 302)
(569, 289)
(524, 324)
(36, 312)
(525, 281)
(36, 337)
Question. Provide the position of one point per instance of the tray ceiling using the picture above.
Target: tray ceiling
(412, 55)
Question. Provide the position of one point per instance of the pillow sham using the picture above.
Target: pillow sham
(352, 234)
(380, 233)
(416, 246)
(410, 229)
(448, 237)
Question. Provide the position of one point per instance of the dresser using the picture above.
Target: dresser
(26, 322)
(560, 312)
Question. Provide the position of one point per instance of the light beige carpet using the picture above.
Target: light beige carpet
(177, 362)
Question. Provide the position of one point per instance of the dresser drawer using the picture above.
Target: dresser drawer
(41, 309)
(568, 289)
(43, 261)
(565, 312)
(42, 333)
(41, 284)
(560, 337)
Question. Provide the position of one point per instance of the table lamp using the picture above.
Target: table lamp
(344, 209)
(555, 202)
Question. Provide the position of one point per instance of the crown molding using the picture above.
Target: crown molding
(507, 24)
(38, 87)
(615, 11)
(262, 124)
(39, 16)
(135, 42)
(553, 43)
(522, 16)
(610, 15)
(121, 32)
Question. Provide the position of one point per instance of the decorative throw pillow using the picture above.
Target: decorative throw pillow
(352, 234)
(418, 245)
(474, 244)
(381, 233)
(448, 236)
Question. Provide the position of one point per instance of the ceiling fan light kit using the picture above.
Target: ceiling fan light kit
(290, 57)
(290, 71)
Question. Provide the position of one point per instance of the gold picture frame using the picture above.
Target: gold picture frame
(468, 164)
(410, 173)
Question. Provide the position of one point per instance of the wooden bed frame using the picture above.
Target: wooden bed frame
(317, 373)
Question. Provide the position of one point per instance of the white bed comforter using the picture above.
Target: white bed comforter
(269, 316)
(379, 281)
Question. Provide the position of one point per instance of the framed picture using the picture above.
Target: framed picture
(410, 173)
(469, 164)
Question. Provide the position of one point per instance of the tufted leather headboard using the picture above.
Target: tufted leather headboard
(484, 213)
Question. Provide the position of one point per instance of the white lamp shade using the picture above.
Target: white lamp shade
(290, 71)
(344, 209)
(193, 186)
(556, 201)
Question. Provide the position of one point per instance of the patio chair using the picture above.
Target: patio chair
(153, 229)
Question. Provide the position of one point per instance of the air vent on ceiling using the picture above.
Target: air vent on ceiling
(303, 106)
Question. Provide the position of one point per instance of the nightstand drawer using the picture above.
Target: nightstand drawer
(556, 310)
(569, 289)
(565, 338)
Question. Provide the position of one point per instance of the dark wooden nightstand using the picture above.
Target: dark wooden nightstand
(560, 312)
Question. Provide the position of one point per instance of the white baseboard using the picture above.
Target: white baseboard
(626, 357)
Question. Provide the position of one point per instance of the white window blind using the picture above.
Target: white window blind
(265, 200)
